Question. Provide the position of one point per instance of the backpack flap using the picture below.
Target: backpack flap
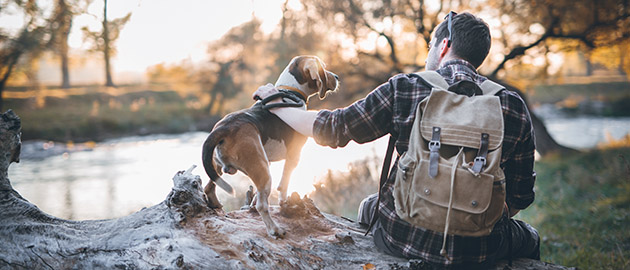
(463, 119)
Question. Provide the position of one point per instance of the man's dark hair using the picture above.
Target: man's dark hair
(470, 38)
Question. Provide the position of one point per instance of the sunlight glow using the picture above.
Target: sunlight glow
(162, 31)
(316, 160)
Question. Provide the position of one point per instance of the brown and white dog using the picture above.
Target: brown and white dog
(249, 139)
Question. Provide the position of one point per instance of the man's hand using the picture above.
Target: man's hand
(264, 91)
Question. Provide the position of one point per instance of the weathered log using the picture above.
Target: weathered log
(182, 232)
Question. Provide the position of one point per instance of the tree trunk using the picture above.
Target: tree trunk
(66, 25)
(65, 72)
(183, 233)
(106, 49)
(213, 98)
(12, 61)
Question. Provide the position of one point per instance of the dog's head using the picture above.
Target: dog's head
(308, 74)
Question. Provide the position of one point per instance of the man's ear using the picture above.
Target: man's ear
(444, 47)
(312, 70)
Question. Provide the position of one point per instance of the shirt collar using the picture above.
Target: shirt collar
(459, 62)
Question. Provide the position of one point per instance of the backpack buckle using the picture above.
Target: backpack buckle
(434, 145)
(477, 166)
(434, 154)
(480, 159)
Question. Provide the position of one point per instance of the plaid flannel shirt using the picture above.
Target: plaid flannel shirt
(390, 109)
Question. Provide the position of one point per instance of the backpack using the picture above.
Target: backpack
(449, 179)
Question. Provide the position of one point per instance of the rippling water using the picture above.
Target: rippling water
(118, 177)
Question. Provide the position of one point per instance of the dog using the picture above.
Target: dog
(249, 139)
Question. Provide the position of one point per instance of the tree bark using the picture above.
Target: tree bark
(182, 232)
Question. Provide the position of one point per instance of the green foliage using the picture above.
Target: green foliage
(582, 209)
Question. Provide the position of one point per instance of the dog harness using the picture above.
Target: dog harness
(291, 97)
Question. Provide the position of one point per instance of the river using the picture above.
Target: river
(118, 177)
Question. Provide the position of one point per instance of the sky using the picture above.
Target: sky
(163, 31)
(169, 31)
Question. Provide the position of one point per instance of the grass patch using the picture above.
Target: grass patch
(582, 209)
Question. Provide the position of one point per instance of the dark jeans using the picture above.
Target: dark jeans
(525, 239)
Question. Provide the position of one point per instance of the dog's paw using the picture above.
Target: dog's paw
(277, 232)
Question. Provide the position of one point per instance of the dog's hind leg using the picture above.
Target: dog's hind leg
(259, 173)
(254, 163)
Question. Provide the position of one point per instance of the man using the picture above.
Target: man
(455, 52)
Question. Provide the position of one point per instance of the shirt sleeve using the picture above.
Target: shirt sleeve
(365, 120)
(519, 165)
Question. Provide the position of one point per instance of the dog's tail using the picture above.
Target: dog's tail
(215, 138)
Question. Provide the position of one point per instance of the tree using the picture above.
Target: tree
(594, 24)
(392, 36)
(30, 38)
(61, 23)
(103, 40)
(236, 64)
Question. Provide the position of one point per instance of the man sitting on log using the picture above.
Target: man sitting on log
(459, 46)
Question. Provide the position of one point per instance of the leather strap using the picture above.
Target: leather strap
(293, 89)
(384, 175)
(480, 159)
(434, 154)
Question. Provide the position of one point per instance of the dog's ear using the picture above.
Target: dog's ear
(296, 68)
(311, 70)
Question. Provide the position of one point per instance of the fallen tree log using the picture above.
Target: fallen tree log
(182, 232)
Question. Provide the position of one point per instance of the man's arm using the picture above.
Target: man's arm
(363, 121)
(300, 120)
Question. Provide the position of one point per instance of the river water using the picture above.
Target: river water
(118, 177)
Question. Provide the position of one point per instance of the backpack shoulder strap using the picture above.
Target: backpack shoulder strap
(491, 88)
(433, 78)
(384, 175)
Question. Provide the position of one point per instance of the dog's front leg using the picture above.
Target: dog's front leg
(289, 166)
(294, 150)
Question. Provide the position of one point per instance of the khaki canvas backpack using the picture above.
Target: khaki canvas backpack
(449, 179)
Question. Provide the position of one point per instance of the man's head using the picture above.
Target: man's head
(470, 40)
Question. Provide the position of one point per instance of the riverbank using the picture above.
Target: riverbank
(99, 113)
